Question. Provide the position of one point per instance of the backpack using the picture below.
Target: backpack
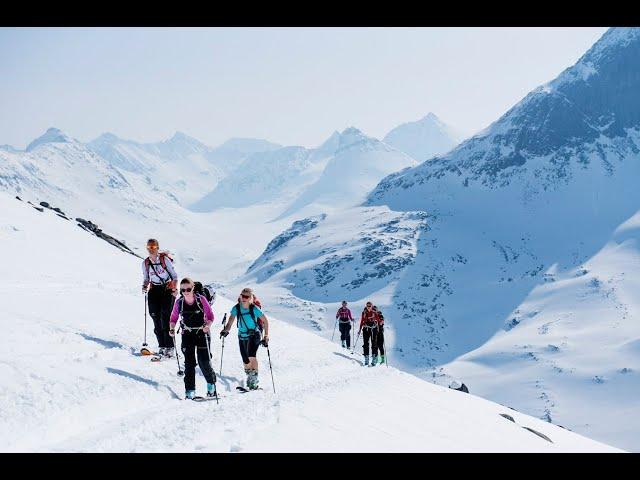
(200, 289)
(369, 323)
(180, 301)
(258, 322)
(257, 302)
(163, 262)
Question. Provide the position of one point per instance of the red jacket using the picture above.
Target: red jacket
(369, 316)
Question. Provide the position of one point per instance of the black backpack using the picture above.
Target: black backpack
(203, 290)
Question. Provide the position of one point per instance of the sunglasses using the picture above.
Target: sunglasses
(152, 247)
(245, 296)
(368, 306)
(188, 290)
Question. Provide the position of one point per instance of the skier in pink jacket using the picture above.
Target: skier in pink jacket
(196, 319)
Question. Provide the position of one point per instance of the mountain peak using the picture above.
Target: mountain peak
(606, 50)
(183, 138)
(52, 135)
(614, 38)
(107, 137)
(352, 131)
(9, 148)
(352, 136)
(331, 144)
(423, 138)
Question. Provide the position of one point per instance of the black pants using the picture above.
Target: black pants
(380, 339)
(345, 329)
(160, 304)
(370, 333)
(249, 346)
(193, 342)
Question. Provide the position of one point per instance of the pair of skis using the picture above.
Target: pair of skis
(240, 389)
(204, 399)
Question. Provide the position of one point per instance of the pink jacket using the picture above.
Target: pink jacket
(208, 313)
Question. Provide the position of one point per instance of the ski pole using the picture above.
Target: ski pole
(269, 355)
(144, 345)
(206, 337)
(334, 329)
(224, 321)
(180, 371)
(356, 343)
(384, 348)
(353, 332)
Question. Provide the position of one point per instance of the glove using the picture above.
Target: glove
(265, 342)
(145, 287)
(172, 332)
(223, 333)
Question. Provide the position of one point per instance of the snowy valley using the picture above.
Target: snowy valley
(519, 276)
(88, 389)
(508, 261)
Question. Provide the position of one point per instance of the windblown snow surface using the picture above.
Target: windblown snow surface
(71, 378)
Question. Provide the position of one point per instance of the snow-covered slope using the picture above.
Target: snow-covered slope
(234, 151)
(261, 178)
(64, 172)
(569, 351)
(304, 182)
(322, 260)
(8, 148)
(273, 176)
(423, 138)
(512, 215)
(133, 197)
(178, 165)
(357, 164)
(72, 380)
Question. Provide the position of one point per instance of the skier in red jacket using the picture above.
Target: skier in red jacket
(369, 323)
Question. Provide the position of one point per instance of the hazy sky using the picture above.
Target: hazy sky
(293, 86)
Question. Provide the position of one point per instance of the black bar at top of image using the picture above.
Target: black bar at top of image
(303, 14)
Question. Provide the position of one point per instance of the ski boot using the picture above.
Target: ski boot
(168, 352)
(211, 389)
(366, 360)
(344, 344)
(382, 359)
(374, 360)
(189, 394)
(252, 381)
